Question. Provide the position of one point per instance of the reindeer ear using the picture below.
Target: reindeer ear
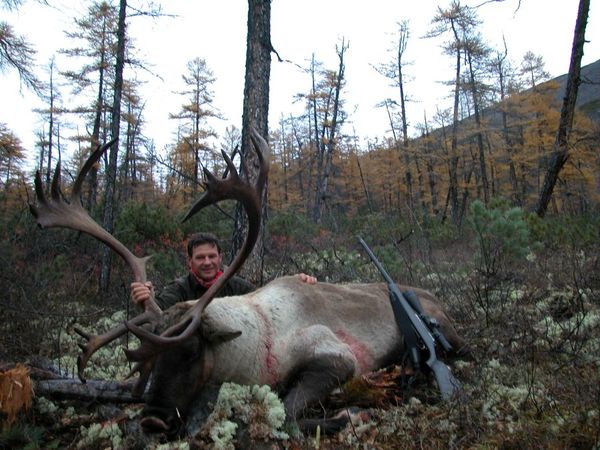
(215, 331)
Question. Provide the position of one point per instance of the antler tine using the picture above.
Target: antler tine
(95, 342)
(55, 192)
(263, 155)
(216, 189)
(232, 170)
(145, 370)
(56, 212)
(93, 159)
(231, 187)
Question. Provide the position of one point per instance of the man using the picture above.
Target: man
(204, 262)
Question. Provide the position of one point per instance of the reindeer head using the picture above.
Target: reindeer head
(181, 373)
(185, 363)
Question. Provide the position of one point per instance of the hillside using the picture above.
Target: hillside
(588, 96)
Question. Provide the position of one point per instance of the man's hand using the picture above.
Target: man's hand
(141, 292)
(308, 279)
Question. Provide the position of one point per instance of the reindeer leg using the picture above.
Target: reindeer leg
(326, 363)
(314, 382)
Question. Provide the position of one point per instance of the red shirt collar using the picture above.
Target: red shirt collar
(205, 283)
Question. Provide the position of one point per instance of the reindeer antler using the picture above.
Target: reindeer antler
(56, 211)
(232, 187)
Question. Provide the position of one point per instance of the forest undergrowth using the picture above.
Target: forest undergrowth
(524, 293)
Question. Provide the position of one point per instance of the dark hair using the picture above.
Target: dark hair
(197, 239)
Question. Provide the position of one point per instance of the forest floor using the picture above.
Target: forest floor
(533, 380)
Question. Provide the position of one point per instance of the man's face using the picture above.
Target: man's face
(205, 261)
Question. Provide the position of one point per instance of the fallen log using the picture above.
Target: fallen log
(92, 390)
(54, 384)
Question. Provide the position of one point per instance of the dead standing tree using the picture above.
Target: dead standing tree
(394, 71)
(326, 142)
(560, 153)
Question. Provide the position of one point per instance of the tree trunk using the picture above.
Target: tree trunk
(453, 163)
(407, 172)
(479, 134)
(560, 154)
(431, 176)
(51, 383)
(255, 115)
(50, 129)
(331, 141)
(319, 141)
(508, 142)
(111, 172)
(95, 138)
(364, 185)
(92, 390)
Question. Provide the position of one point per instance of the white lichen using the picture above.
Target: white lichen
(222, 434)
(175, 445)
(255, 406)
(109, 362)
(101, 435)
(45, 406)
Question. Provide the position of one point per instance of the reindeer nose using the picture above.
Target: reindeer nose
(160, 420)
(152, 424)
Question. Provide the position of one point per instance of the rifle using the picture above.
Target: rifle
(420, 332)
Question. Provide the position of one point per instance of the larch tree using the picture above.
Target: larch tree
(532, 118)
(502, 70)
(476, 55)
(292, 146)
(50, 114)
(109, 207)
(316, 143)
(426, 142)
(533, 69)
(303, 158)
(16, 52)
(194, 114)
(255, 115)
(394, 70)
(449, 21)
(329, 116)
(12, 158)
(283, 143)
(95, 47)
(560, 153)
(536, 107)
(232, 139)
(469, 52)
(132, 171)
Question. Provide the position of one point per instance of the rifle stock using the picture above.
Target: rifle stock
(448, 385)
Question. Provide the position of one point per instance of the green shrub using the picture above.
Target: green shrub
(292, 224)
(575, 232)
(439, 232)
(165, 265)
(138, 222)
(381, 227)
(219, 220)
(501, 235)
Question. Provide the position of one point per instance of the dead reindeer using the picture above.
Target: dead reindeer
(303, 340)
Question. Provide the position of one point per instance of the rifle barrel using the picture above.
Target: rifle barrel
(376, 261)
